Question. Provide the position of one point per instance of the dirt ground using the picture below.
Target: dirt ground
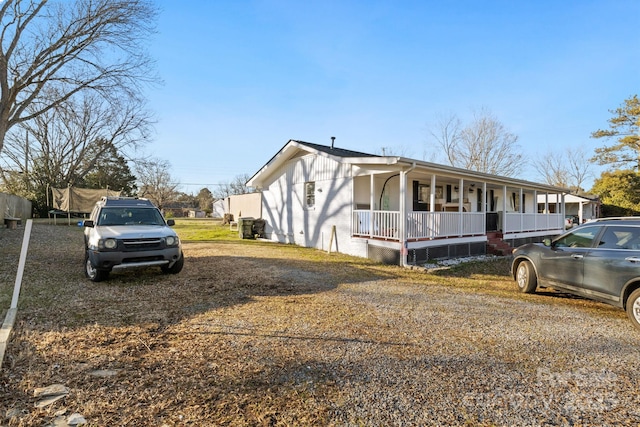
(263, 334)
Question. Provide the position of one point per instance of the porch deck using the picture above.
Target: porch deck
(436, 225)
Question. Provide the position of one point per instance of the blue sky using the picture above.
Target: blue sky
(241, 78)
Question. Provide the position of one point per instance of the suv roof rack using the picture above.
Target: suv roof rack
(125, 201)
(617, 218)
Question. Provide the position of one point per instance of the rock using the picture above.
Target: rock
(13, 412)
(50, 394)
(46, 401)
(76, 420)
(104, 373)
(52, 390)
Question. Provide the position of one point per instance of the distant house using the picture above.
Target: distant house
(395, 209)
(196, 213)
(219, 208)
(583, 207)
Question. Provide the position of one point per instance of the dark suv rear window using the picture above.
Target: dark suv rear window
(620, 237)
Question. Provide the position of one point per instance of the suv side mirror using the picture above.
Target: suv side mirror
(88, 223)
(547, 242)
(171, 222)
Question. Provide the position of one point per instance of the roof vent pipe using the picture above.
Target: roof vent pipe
(333, 139)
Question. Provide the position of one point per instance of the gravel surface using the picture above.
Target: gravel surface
(275, 335)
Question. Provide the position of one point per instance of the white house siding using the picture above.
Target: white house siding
(245, 205)
(288, 220)
(219, 210)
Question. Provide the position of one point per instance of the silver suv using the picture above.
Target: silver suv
(126, 232)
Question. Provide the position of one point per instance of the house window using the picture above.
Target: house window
(310, 194)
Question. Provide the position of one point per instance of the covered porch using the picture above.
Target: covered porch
(386, 225)
(422, 204)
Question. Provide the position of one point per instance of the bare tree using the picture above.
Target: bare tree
(236, 186)
(446, 132)
(564, 169)
(484, 145)
(69, 46)
(396, 150)
(580, 168)
(155, 181)
(62, 145)
(552, 168)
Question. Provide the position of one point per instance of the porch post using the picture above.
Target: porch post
(372, 200)
(432, 196)
(546, 208)
(432, 207)
(521, 210)
(485, 208)
(535, 209)
(580, 211)
(460, 200)
(504, 209)
(403, 218)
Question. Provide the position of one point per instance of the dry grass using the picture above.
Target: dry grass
(250, 333)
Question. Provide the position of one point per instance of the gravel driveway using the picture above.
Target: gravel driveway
(276, 335)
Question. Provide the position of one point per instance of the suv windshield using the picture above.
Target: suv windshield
(130, 216)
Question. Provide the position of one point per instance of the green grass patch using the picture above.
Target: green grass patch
(196, 229)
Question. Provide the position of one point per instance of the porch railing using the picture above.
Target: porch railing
(381, 224)
(429, 225)
(518, 222)
(421, 225)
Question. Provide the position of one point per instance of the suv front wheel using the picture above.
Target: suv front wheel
(92, 273)
(176, 267)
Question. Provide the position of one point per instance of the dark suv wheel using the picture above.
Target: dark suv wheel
(176, 267)
(633, 308)
(526, 277)
(94, 274)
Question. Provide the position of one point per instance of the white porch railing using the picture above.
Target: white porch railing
(382, 224)
(430, 225)
(515, 222)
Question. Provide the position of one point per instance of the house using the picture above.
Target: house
(219, 208)
(196, 213)
(583, 207)
(397, 210)
(247, 205)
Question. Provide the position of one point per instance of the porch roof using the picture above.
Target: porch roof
(370, 162)
(466, 174)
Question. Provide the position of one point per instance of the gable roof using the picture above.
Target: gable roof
(334, 151)
(293, 146)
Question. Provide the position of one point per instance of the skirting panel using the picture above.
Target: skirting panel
(383, 255)
(422, 255)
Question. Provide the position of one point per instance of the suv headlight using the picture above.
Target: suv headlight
(108, 244)
(172, 240)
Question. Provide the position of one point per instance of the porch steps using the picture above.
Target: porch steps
(497, 246)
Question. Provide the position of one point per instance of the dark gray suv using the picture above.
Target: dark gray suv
(126, 232)
(599, 260)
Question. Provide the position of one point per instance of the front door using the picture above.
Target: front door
(491, 221)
